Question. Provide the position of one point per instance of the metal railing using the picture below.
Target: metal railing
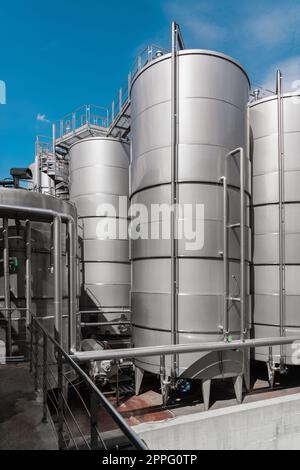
(92, 116)
(88, 115)
(121, 99)
(82, 417)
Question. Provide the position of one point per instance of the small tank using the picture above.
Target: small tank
(99, 177)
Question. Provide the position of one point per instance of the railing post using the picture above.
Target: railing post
(93, 420)
(45, 373)
(112, 111)
(60, 402)
(36, 359)
(7, 301)
(88, 114)
(31, 347)
(129, 83)
(120, 99)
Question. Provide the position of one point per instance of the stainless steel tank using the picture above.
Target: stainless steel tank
(275, 129)
(46, 183)
(212, 97)
(42, 284)
(99, 176)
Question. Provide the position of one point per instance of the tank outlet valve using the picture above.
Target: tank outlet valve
(183, 386)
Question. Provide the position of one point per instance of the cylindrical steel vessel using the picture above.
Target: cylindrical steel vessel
(275, 130)
(212, 96)
(46, 183)
(98, 183)
(42, 276)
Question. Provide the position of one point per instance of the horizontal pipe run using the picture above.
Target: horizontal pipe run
(33, 213)
(114, 354)
(106, 323)
(102, 311)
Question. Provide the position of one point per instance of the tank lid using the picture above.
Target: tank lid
(99, 137)
(273, 97)
(205, 52)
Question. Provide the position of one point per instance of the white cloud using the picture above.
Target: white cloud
(42, 118)
(202, 30)
(274, 27)
(290, 69)
(194, 19)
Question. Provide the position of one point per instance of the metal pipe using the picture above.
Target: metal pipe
(108, 323)
(102, 311)
(38, 165)
(113, 354)
(54, 152)
(35, 213)
(225, 261)
(28, 272)
(242, 261)
(72, 231)
(7, 301)
(174, 164)
(57, 278)
(281, 213)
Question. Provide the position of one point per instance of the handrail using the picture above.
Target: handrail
(115, 415)
(122, 97)
(147, 351)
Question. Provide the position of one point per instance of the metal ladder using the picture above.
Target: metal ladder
(226, 227)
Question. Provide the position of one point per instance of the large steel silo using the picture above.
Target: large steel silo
(275, 129)
(178, 295)
(99, 177)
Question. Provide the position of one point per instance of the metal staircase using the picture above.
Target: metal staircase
(89, 120)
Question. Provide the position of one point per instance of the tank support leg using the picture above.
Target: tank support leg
(138, 374)
(206, 385)
(165, 390)
(238, 388)
(271, 375)
(247, 371)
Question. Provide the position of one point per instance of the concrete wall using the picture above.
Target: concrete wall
(268, 424)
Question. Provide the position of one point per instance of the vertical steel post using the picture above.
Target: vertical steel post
(120, 99)
(242, 263)
(93, 420)
(54, 153)
(174, 165)
(72, 230)
(113, 111)
(38, 165)
(57, 261)
(129, 84)
(28, 272)
(7, 301)
(60, 402)
(36, 357)
(45, 374)
(225, 258)
(281, 215)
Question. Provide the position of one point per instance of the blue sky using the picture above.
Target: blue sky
(58, 55)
